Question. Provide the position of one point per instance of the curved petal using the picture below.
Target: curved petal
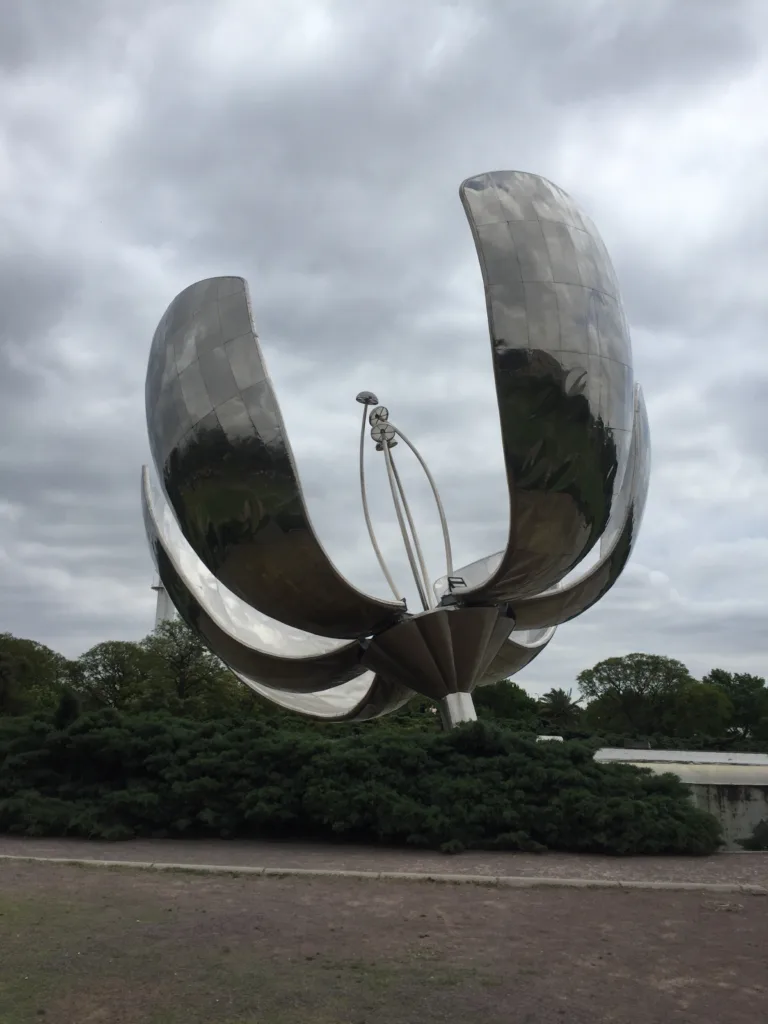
(225, 462)
(562, 603)
(368, 696)
(563, 370)
(471, 576)
(277, 656)
(253, 628)
(518, 651)
(566, 602)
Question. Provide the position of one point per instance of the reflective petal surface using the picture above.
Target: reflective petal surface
(564, 602)
(248, 642)
(368, 696)
(221, 451)
(563, 369)
(574, 598)
(516, 652)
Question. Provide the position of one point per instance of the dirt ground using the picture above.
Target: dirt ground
(739, 868)
(123, 946)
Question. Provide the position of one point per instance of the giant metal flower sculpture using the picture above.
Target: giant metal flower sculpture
(230, 532)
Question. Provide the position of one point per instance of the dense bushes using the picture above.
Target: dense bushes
(157, 738)
(113, 775)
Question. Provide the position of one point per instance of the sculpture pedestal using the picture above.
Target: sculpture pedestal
(457, 708)
(442, 654)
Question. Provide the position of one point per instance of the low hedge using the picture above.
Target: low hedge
(111, 775)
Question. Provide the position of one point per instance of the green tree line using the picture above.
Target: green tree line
(636, 697)
(158, 738)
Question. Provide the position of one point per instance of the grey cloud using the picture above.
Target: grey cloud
(612, 51)
(742, 401)
(45, 32)
(34, 291)
(330, 182)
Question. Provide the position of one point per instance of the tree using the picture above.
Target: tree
(559, 711)
(508, 702)
(112, 674)
(32, 676)
(644, 674)
(630, 694)
(696, 709)
(13, 698)
(748, 695)
(645, 694)
(185, 678)
(68, 711)
(622, 715)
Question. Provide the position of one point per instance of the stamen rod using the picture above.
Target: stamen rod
(367, 514)
(414, 534)
(438, 502)
(401, 523)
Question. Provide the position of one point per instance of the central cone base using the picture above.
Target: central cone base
(440, 652)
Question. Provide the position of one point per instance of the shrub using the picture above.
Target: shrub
(114, 775)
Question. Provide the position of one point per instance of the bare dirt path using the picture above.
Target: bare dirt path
(741, 868)
(124, 947)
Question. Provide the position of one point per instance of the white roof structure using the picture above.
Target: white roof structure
(696, 767)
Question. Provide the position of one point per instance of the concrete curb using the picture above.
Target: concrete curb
(496, 881)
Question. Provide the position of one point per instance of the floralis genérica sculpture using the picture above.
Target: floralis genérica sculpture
(229, 529)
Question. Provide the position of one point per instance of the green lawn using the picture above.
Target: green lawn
(109, 954)
(122, 946)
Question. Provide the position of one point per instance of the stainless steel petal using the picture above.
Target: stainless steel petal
(368, 696)
(220, 447)
(468, 577)
(517, 652)
(566, 602)
(563, 370)
(251, 627)
(276, 655)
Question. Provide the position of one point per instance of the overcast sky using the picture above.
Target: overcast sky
(316, 149)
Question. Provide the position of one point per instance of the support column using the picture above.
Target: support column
(457, 708)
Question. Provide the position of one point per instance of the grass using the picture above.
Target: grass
(92, 946)
(114, 958)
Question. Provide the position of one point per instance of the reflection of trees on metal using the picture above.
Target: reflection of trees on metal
(232, 538)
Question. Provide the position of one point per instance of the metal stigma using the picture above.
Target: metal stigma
(384, 433)
(366, 397)
(232, 539)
